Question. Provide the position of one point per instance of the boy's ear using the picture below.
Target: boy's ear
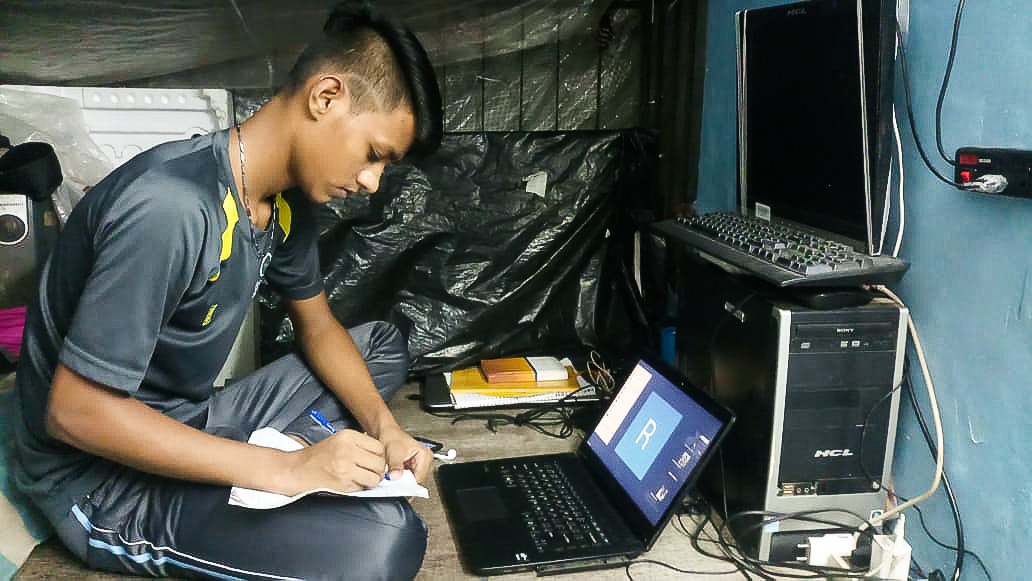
(327, 92)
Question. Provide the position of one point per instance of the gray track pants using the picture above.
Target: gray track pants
(148, 525)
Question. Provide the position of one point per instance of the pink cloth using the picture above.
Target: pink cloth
(11, 323)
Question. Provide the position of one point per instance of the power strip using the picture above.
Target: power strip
(1015, 165)
(888, 556)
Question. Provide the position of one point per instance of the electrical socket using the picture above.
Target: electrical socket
(1013, 164)
(889, 556)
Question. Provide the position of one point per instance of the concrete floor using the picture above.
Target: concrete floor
(473, 441)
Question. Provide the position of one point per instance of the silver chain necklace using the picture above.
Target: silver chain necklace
(247, 203)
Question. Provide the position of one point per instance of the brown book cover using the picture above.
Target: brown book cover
(471, 379)
(507, 369)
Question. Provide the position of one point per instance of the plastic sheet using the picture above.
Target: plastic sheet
(545, 70)
(468, 264)
(242, 43)
(58, 121)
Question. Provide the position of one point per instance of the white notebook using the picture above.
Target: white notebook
(260, 499)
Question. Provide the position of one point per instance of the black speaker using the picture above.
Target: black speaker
(29, 174)
(28, 229)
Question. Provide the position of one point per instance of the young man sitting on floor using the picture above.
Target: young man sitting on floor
(120, 437)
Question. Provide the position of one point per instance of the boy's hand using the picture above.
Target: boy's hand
(403, 451)
(346, 461)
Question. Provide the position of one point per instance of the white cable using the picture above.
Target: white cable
(902, 204)
(885, 212)
(937, 420)
(888, 182)
(451, 455)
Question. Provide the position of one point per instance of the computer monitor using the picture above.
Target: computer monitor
(812, 83)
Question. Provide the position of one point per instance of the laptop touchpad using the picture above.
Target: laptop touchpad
(482, 503)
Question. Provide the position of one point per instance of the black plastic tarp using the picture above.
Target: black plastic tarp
(469, 264)
(248, 43)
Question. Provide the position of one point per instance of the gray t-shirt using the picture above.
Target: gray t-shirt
(145, 292)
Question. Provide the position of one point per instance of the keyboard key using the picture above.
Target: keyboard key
(556, 519)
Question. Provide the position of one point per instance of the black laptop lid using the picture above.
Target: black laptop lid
(652, 443)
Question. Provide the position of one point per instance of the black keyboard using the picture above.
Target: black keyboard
(555, 516)
(779, 254)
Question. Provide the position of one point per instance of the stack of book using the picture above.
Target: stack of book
(515, 380)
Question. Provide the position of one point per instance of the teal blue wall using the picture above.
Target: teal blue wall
(970, 284)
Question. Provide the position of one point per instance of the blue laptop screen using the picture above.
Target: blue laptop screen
(651, 439)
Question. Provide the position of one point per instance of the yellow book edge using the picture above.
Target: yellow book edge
(471, 380)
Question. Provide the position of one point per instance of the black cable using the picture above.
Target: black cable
(725, 556)
(627, 569)
(541, 418)
(747, 564)
(694, 538)
(945, 84)
(863, 432)
(951, 498)
(698, 548)
(910, 112)
(542, 421)
(774, 571)
(924, 525)
(915, 569)
(804, 516)
(948, 546)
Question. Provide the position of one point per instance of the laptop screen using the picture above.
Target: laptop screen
(651, 439)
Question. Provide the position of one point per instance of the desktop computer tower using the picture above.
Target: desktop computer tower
(813, 391)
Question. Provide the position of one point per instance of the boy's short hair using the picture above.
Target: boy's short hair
(388, 68)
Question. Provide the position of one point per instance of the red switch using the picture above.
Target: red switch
(965, 176)
(968, 159)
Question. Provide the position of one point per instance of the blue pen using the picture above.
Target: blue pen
(325, 423)
(321, 420)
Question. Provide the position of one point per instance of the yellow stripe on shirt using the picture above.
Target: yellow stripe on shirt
(232, 217)
(284, 215)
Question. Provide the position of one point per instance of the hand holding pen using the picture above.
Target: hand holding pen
(347, 461)
(325, 423)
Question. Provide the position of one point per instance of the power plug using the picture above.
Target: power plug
(994, 170)
(890, 553)
(830, 550)
(886, 556)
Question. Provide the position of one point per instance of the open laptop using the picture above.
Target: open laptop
(600, 506)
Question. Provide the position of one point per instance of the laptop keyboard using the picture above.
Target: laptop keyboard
(780, 254)
(556, 517)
